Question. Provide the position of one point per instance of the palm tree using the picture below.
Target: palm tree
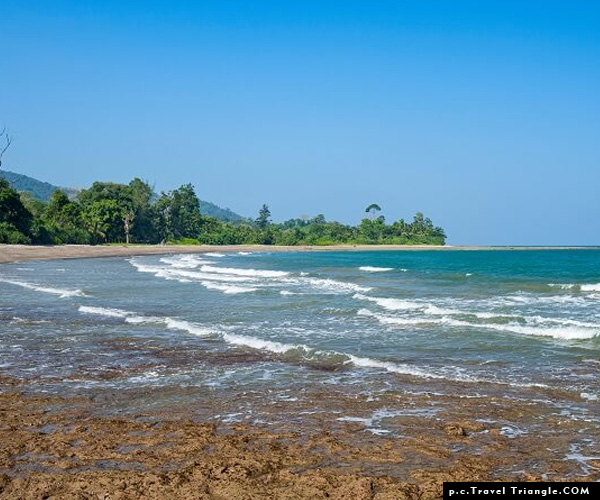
(372, 210)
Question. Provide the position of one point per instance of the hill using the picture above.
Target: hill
(39, 189)
(43, 190)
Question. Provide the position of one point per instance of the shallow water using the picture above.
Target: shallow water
(255, 329)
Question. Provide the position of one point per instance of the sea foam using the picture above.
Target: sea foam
(244, 272)
(563, 332)
(135, 318)
(373, 269)
(61, 292)
(228, 289)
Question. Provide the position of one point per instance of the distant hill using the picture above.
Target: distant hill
(43, 191)
(38, 189)
(208, 208)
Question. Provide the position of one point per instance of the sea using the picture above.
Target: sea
(357, 337)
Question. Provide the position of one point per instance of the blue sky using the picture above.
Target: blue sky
(483, 115)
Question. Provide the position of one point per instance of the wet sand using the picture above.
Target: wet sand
(21, 253)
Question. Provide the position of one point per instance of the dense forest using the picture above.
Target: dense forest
(132, 213)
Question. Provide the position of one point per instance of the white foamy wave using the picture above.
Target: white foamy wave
(185, 261)
(589, 397)
(244, 272)
(134, 318)
(392, 367)
(256, 343)
(214, 254)
(244, 253)
(566, 332)
(590, 288)
(454, 374)
(105, 311)
(563, 333)
(390, 304)
(193, 328)
(137, 320)
(373, 269)
(185, 275)
(334, 286)
(211, 277)
(392, 320)
(228, 289)
(281, 348)
(563, 286)
(61, 292)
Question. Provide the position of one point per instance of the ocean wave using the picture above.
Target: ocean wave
(228, 289)
(570, 330)
(401, 369)
(267, 345)
(214, 254)
(185, 261)
(563, 286)
(185, 275)
(590, 287)
(334, 286)
(105, 311)
(393, 320)
(583, 287)
(374, 269)
(61, 292)
(261, 273)
(337, 358)
(389, 303)
(135, 318)
(186, 326)
(300, 352)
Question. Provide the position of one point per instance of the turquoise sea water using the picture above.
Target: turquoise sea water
(509, 324)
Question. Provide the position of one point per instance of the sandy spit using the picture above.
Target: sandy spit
(21, 253)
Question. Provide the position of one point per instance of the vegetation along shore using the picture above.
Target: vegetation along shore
(132, 213)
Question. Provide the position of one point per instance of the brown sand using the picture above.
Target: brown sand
(19, 253)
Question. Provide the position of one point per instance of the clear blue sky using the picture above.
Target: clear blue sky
(485, 115)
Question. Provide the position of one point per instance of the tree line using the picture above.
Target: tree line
(131, 213)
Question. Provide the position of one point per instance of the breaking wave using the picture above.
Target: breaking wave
(134, 318)
(228, 289)
(244, 272)
(61, 292)
(543, 327)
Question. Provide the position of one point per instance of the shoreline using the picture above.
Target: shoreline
(22, 253)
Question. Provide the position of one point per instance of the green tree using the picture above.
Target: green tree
(103, 220)
(264, 217)
(15, 219)
(141, 203)
(176, 214)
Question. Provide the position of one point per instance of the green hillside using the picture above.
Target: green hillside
(40, 190)
(43, 190)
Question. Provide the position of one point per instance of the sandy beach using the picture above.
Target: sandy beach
(21, 253)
